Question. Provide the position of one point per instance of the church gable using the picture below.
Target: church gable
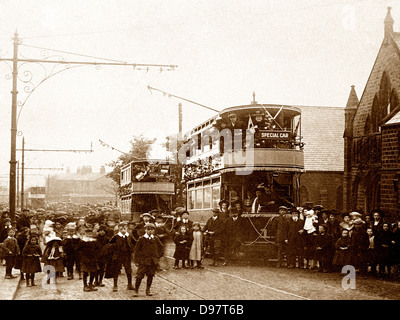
(380, 96)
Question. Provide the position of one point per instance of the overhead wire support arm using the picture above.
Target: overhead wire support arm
(171, 95)
(92, 63)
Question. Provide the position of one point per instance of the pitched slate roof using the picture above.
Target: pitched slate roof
(395, 119)
(322, 131)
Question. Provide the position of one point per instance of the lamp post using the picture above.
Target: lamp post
(14, 103)
(13, 161)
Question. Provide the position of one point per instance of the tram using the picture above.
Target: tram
(245, 151)
(146, 186)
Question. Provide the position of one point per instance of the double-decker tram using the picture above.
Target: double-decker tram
(146, 185)
(251, 153)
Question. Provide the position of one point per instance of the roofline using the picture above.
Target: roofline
(389, 116)
(376, 59)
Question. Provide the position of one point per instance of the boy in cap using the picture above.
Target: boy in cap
(147, 253)
(124, 249)
(11, 248)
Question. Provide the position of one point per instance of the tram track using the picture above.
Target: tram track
(241, 279)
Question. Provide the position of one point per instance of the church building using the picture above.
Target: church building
(372, 134)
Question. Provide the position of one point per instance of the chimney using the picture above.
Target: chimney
(388, 23)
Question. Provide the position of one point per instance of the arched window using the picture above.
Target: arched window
(375, 118)
(384, 95)
(368, 126)
(394, 100)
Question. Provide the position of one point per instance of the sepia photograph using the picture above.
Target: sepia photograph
(199, 156)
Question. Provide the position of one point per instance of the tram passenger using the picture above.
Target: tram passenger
(248, 201)
(256, 205)
(213, 230)
(234, 123)
(280, 226)
(224, 211)
(185, 221)
(237, 208)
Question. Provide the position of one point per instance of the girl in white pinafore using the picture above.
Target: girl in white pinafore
(197, 248)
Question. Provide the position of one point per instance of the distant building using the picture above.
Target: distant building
(372, 134)
(84, 186)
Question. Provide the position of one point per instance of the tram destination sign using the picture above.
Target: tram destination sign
(274, 134)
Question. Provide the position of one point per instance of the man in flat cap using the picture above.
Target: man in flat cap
(280, 225)
(214, 231)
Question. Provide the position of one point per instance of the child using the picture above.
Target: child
(162, 233)
(22, 238)
(323, 249)
(11, 248)
(31, 259)
(122, 254)
(53, 255)
(102, 240)
(342, 255)
(184, 222)
(384, 243)
(183, 242)
(371, 253)
(147, 253)
(309, 234)
(89, 251)
(197, 248)
(69, 243)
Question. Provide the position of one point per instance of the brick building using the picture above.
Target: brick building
(372, 134)
(322, 131)
(84, 186)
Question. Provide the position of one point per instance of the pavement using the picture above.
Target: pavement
(8, 286)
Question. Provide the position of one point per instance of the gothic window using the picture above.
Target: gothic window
(368, 126)
(384, 96)
(394, 100)
(375, 117)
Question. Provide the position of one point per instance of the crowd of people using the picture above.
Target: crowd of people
(98, 245)
(93, 246)
(311, 238)
(326, 240)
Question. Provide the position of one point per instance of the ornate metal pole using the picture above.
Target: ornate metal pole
(23, 175)
(13, 161)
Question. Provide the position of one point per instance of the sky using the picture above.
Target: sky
(287, 52)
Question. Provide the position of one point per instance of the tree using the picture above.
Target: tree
(140, 149)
